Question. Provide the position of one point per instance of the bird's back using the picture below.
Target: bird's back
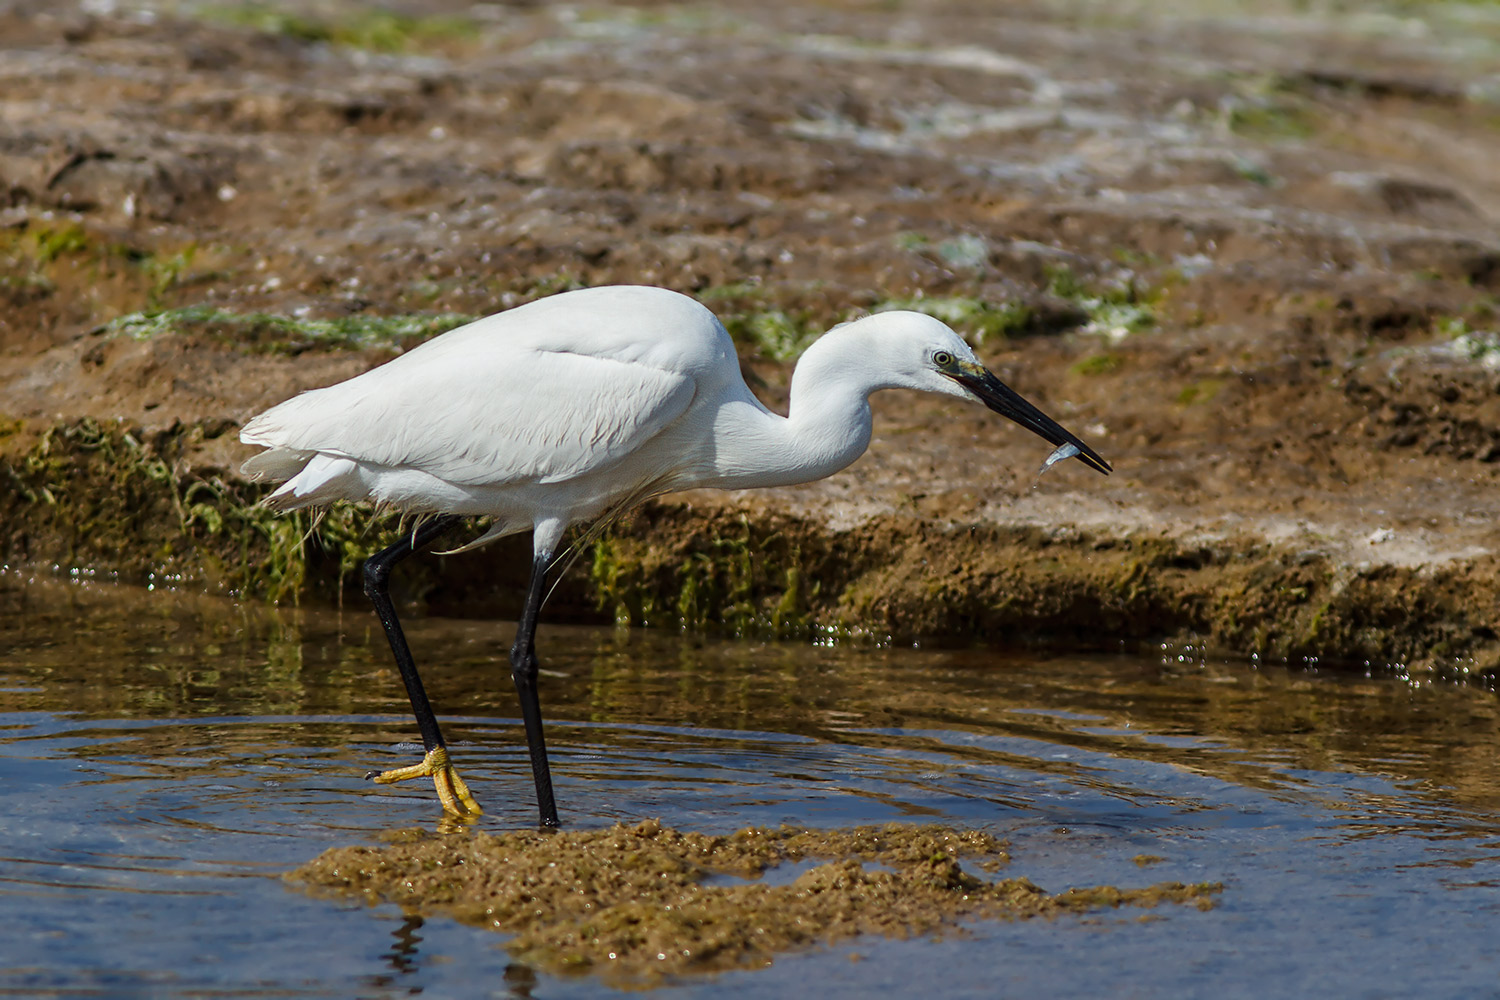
(549, 391)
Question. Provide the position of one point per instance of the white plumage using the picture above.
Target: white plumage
(558, 391)
(566, 408)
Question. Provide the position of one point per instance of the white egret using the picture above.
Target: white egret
(572, 408)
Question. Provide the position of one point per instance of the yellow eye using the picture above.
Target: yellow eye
(942, 359)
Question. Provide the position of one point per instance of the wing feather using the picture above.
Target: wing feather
(480, 411)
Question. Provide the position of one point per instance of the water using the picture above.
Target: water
(164, 758)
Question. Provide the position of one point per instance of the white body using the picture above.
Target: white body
(566, 408)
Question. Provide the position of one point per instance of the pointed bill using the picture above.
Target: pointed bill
(1005, 401)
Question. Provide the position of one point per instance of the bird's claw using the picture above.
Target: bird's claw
(451, 789)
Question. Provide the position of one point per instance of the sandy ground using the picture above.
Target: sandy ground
(1247, 252)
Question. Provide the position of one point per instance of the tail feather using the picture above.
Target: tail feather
(277, 464)
(321, 480)
(497, 530)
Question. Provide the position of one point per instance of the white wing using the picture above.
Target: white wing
(477, 410)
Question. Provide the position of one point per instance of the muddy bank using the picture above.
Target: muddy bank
(1249, 255)
(639, 903)
(86, 498)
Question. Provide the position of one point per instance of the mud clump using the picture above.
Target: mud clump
(645, 901)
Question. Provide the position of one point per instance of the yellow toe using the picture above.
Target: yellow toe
(451, 789)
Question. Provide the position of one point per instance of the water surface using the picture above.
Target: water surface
(164, 758)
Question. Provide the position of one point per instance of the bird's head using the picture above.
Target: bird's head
(917, 351)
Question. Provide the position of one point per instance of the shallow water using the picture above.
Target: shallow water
(163, 758)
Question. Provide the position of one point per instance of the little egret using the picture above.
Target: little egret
(573, 408)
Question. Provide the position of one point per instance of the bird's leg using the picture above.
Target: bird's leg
(523, 668)
(435, 764)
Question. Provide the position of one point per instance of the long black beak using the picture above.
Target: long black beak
(1008, 403)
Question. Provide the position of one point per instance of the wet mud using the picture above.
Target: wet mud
(638, 903)
(1247, 252)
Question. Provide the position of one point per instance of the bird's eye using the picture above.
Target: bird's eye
(942, 359)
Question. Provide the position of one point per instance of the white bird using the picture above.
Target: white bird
(572, 408)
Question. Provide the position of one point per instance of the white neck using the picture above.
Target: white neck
(826, 428)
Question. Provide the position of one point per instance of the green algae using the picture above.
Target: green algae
(265, 333)
(637, 903)
(980, 319)
(1104, 363)
(733, 575)
(42, 261)
(774, 333)
(1113, 308)
(105, 498)
(91, 487)
(373, 29)
(1202, 391)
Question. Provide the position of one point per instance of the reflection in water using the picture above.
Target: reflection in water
(403, 954)
(162, 755)
(520, 980)
(190, 658)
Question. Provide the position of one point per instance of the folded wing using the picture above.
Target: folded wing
(477, 413)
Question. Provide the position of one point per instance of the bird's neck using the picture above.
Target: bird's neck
(826, 428)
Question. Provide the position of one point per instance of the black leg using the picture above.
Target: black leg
(377, 588)
(523, 668)
(435, 764)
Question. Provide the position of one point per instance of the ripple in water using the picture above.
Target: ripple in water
(164, 758)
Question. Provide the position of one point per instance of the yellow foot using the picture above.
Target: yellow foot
(450, 787)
